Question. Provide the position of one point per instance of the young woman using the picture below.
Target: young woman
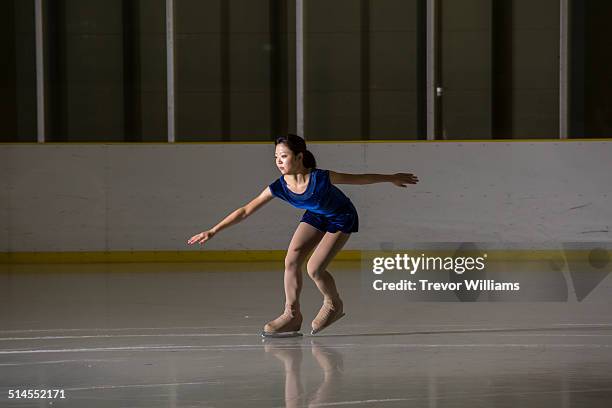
(325, 227)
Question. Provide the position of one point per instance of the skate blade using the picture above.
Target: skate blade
(282, 335)
(329, 324)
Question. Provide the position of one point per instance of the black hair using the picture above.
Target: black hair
(297, 145)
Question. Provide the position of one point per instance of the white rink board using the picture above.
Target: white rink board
(97, 197)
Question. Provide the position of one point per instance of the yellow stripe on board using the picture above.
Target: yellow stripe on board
(278, 255)
(153, 256)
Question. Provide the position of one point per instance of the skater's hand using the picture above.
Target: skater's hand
(401, 179)
(201, 238)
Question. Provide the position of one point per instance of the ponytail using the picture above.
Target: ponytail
(309, 160)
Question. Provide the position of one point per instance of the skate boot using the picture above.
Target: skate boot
(286, 325)
(329, 313)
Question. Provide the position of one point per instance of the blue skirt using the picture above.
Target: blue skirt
(345, 220)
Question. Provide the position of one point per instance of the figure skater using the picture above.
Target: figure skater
(325, 227)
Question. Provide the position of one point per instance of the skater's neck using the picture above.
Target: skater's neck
(299, 178)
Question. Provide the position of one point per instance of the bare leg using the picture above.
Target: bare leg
(327, 249)
(332, 308)
(305, 238)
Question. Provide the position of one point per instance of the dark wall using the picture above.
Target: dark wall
(233, 60)
(499, 69)
(106, 70)
(591, 69)
(17, 72)
(364, 69)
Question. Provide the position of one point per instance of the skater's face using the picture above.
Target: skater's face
(287, 161)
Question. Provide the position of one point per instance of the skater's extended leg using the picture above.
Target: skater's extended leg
(305, 239)
(332, 308)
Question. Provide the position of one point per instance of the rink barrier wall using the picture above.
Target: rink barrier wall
(109, 198)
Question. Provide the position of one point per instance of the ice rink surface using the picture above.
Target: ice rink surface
(187, 335)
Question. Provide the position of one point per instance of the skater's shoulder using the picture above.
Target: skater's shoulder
(320, 172)
(276, 187)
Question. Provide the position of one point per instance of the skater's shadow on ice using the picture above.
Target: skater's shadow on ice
(290, 355)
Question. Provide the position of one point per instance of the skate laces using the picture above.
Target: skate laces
(290, 313)
(287, 316)
(326, 310)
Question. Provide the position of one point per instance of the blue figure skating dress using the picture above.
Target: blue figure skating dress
(327, 208)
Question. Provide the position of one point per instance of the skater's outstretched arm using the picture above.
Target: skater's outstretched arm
(399, 179)
(234, 218)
